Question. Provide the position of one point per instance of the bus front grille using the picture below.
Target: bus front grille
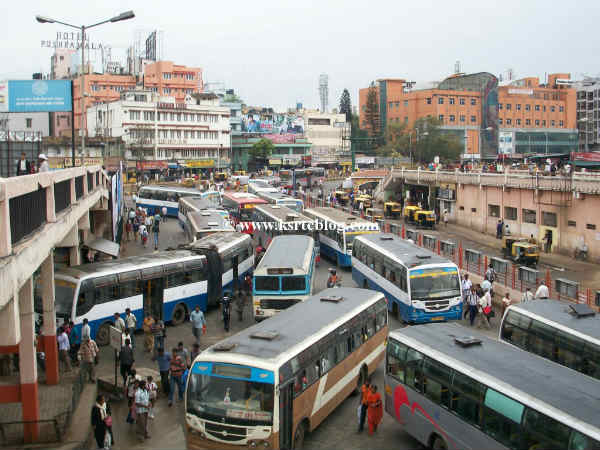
(277, 303)
(437, 305)
(226, 433)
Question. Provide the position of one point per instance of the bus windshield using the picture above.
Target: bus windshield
(266, 283)
(293, 284)
(434, 283)
(230, 400)
(64, 293)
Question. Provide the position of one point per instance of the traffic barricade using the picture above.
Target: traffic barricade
(448, 249)
(429, 241)
(528, 278)
(501, 267)
(473, 261)
(566, 289)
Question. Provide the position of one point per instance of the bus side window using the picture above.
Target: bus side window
(466, 397)
(541, 431)
(86, 298)
(402, 282)
(396, 356)
(502, 420)
(414, 373)
(129, 288)
(436, 382)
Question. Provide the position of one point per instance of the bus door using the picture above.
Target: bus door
(215, 277)
(236, 280)
(153, 297)
(286, 415)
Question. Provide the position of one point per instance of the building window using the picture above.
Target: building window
(406, 103)
(527, 121)
(518, 121)
(500, 121)
(544, 108)
(391, 106)
(528, 215)
(527, 107)
(561, 123)
(510, 213)
(537, 122)
(543, 123)
(473, 101)
(441, 117)
(499, 105)
(428, 101)
(508, 106)
(166, 76)
(473, 119)
(552, 108)
(561, 109)
(166, 90)
(552, 123)
(189, 76)
(508, 121)
(518, 107)
(590, 226)
(493, 210)
(461, 101)
(451, 100)
(452, 118)
(441, 101)
(548, 219)
(28, 123)
(537, 107)
(405, 119)
(473, 210)
(571, 223)
(463, 118)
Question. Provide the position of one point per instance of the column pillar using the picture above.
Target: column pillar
(49, 326)
(28, 364)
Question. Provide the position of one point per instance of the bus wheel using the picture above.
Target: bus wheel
(299, 436)
(438, 444)
(178, 315)
(103, 335)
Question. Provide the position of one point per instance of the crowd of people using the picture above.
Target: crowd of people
(141, 224)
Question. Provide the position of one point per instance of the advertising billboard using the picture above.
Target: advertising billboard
(273, 123)
(506, 142)
(35, 95)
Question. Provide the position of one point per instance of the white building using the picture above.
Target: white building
(325, 132)
(195, 133)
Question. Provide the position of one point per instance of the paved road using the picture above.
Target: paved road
(337, 431)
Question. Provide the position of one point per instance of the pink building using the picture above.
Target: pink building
(60, 63)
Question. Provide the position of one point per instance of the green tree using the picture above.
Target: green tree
(346, 105)
(433, 141)
(372, 121)
(260, 152)
(396, 142)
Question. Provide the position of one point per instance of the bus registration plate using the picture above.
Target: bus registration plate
(436, 319)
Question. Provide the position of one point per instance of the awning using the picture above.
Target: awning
(104, 246)
(173, 165)
(585, 163)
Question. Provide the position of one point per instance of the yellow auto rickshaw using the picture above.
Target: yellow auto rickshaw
(392, 209)
(521, 251)
(425, 219)
(366, 201)
(220, 176)
(189, 182)
(409, 213)
(375, 213)
(342, 197)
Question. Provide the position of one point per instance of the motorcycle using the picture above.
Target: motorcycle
(581, 252)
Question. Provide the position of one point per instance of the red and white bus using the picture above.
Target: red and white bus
(241, 207)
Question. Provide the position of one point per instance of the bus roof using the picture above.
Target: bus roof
(560, 313)
(126, 264)
(276, 196)
(282, 213)
(319, 319)
(243, 197)
(208, 220)
(337, 216)
(497, 365)
(198, 203)
(171, 189)
(288, 251)
(222, 241)
(409, 254)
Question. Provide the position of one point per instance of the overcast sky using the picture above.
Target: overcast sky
(272, 52)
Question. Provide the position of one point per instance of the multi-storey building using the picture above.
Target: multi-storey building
(588, 114)
(60, 63)
(158, 130)
(326, 132)
(489, 117)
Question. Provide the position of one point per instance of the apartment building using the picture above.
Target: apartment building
(588, 114)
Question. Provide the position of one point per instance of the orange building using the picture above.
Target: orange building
(479, 110)
(162, 77)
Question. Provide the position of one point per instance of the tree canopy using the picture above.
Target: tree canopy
(261, 150)
(372, 111)
(346, 105)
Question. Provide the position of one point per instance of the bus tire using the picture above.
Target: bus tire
(437, 443)
(299, 435)
(178, 316)
(103, 335)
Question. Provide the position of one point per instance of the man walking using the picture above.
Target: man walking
(164, 213)
(472, 302)
(158, 331)
(119, 323)
(87, 355)
(466, 290)
(127, 359)
(85, 330)
(142, 404)
(198, 322)
(176, 369)
(499, 229)
(364, 404)
(156, 230)
(43, 163)
(527, 295)
(63, 349)
(148, 336)
(164, 364)
(130, 325)
(23, 166)
(542, 291)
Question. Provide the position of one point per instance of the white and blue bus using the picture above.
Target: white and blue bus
(337, 231)
(274, 220)
(281, 199)
(153, 198)
(195, 204)
(199, 224)
(420, 285)
(284, 276)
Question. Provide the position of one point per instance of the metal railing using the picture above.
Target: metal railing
(78, 187)
(62, 195)
(28, 213)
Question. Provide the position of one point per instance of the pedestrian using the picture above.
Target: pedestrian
(142, 404)
(126, 359)
(542, 291)
(75, 342)
(156, 231)
(164, 213)
(176, 369)
(484, 309)
(153, 391)
(472, 302)
(23, 166)
(164, 363)
(85, 330)
(129, 230)
(126, 337)
(131, 325)
(466, 290)
(143, 235)
(226, 310)
(499, 229)
(88, 354)
(548, 241)
(198, 323)
(240, 303)
(119, 323)
(506, 302)
(43, 163)
(195, 352)
(102, 423)
(63, 349)
(130, 389)
(148, 336)
(527, 295)
(159, 332)
(136, 228)
(364, 404)
(184, 353)
(375, 409)
(446, 217)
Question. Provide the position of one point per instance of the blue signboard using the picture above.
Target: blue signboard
(39, 95)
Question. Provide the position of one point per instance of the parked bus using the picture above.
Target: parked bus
(273, 382)
(240, 206)
(202, 223)
(420, 285)
(568, 334)
(281, 199)
(195, 204)
(259, 185)
(314, 174)
(286, 270)
(337, 231)
(452, 388)
(230, 256)
(166, 284)
(153, 198)
(277, 220)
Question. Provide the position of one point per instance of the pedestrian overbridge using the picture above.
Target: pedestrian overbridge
(39, 213)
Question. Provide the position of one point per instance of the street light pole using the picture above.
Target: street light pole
(123, 16)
